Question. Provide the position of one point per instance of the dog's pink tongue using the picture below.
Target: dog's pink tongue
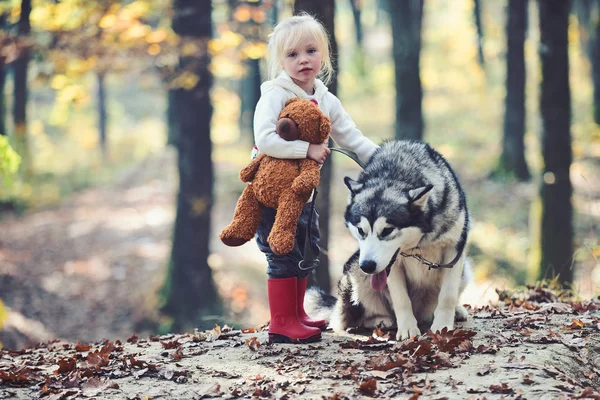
(379, 281)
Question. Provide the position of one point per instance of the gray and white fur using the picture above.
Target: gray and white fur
(407, 196)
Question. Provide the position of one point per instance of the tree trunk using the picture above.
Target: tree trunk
(2, 105)
(479, 27)
(355, 4)
(323, 10)
(102, 115)
(594, 52)
(512, 161)
(20, 67)
(406, 19)
(583, 11)
(555, 106)
(250, 93)
(189, 292)
(2, 81)
(273, 13)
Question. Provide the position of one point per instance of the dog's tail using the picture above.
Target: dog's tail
(319, 304)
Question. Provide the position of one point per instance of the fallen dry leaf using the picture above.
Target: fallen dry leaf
(368, 387)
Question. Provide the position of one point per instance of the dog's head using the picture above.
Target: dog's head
(385, 219)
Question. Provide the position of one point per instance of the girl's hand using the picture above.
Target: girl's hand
(318, 152)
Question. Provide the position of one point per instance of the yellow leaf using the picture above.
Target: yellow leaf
(231, 39)
(59, 82)
(242, 14)
(255, 50)
(154, 49)
(107, 21)
(156, 36)
(215, 46)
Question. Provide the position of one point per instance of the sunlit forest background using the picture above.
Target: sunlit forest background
(87, 219)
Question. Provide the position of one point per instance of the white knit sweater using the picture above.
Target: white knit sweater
(274, 95)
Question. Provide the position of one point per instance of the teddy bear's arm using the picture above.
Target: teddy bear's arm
(247, 173)
(309, 177)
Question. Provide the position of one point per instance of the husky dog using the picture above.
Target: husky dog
(406, 202)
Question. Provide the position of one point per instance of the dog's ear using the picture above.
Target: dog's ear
(352, 185)
(418, 197)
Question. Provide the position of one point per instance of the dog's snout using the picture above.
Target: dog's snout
(368, 266)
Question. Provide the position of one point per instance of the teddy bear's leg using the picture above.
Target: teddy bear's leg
(246, 218)
(283, 234)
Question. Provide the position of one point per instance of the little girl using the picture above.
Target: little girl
(298, 54)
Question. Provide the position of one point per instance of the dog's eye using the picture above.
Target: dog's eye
(360, 231)
(386, 232)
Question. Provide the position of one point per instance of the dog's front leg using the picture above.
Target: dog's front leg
(443, 316)
(405, 319)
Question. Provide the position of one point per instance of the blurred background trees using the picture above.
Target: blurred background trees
(189, 294)
(105, 219)
(512, 160)
(556, 188)
(406, 18)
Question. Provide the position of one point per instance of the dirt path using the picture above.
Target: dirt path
(83, 269)
(534, 347)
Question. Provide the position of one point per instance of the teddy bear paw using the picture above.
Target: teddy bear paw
(281, 243)
(230, 239)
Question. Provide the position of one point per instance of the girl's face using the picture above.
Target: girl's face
(303, 63)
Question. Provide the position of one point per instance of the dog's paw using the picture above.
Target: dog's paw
(407, 327)
(407, 332)
(460, 313)
(442, 321)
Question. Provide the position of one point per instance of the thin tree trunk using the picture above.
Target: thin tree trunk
(355, 4)
(250, 94)
(20, 67)
(2, 105)
(479, 27)
(512, 160)
(594, 51)
(583, 11)
(102, 115)
(406, 19)
(2, 82)
(323, 10)
(273, 13)
(189, 291)
(555, 106)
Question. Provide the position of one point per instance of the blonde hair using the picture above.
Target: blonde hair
(288, 33)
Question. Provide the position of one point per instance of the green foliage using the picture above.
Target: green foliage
(9, 160)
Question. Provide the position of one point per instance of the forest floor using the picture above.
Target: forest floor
(536, 345)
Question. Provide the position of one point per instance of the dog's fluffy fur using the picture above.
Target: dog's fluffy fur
(407, 196)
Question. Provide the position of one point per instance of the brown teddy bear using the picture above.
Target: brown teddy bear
(283, 184)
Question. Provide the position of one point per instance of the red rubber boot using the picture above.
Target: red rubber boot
(304, 318)
(285, 326)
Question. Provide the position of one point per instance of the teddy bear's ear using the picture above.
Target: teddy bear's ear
(292, 100)
(325, 126)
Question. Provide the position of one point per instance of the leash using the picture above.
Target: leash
(431, 264)
(350, 154)
(310, 262)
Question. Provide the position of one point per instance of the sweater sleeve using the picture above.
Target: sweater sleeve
(345, 133)
(266, 138)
